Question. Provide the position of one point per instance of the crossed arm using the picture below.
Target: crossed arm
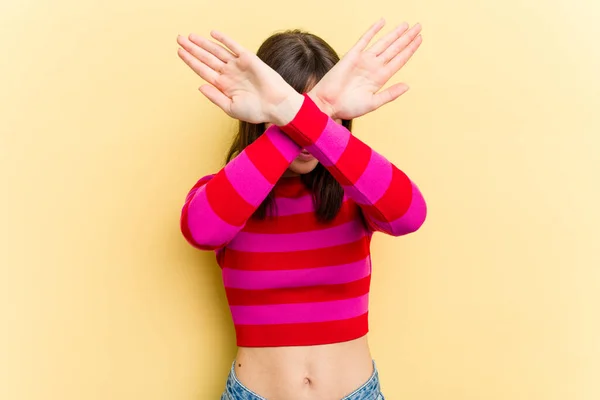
(218, 206)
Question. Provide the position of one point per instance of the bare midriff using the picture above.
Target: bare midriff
(329, 371)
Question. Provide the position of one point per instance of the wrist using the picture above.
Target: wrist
(284, 112)
(325, 107)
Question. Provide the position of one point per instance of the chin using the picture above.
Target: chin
(303, 167)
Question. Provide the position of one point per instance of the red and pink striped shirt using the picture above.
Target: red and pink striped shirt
(290, 279)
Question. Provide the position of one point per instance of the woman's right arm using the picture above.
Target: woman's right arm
(219, 205)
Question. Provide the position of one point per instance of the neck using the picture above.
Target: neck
(290, 174)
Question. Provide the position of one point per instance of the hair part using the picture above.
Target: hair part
(301, 59)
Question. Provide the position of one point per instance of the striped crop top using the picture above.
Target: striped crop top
(290, 279)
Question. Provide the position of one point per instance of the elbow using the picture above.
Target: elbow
(203, 243)
(412, 220)
(200, 235)
(410, 226)
(406, 228)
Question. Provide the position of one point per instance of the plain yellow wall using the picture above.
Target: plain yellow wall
(102, 132)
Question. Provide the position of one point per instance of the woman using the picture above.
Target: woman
(292, 213)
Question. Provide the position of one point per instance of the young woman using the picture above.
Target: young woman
(292, 213)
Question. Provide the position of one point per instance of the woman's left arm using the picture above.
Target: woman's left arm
(390, 201)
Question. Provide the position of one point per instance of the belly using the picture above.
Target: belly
(329, 371)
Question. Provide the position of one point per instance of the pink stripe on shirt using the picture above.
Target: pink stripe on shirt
(300, 313)
(344, 273)
(258, 242)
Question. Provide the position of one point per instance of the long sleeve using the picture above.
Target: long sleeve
(219, 205)
(389, 200)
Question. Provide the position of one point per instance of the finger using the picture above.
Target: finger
(382, 44)
(201, 54)
(390, 94)
(218, 51)
(232, 45)
(401, 59)
(203, 70)
(400, 43)
(216, 97)
(364, 41)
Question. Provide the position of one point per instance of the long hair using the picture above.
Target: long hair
(302, 59)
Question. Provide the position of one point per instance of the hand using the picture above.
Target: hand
(350, 88)
(240, 83)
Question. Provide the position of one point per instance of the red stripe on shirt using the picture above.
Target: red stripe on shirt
(323, 257)
(304, 222)
(267, 159)
(245, 297)
(226, 202)
(396, 200)
(306, 334)
(353, 162)
(307, 125)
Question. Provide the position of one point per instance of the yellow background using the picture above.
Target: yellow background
(102, 132)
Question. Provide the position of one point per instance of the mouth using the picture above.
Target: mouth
(305, 156)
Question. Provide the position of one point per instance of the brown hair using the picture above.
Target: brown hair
(302, 59)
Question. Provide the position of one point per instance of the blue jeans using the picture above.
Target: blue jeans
(370, 390)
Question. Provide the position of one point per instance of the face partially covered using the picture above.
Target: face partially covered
(304, 163)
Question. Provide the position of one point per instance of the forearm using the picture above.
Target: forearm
(389, 200)
(218, 207)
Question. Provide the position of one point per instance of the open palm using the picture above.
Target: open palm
(351, 88)
(238, 81)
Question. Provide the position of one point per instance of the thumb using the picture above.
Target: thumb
(216, 97)
(389, 94)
